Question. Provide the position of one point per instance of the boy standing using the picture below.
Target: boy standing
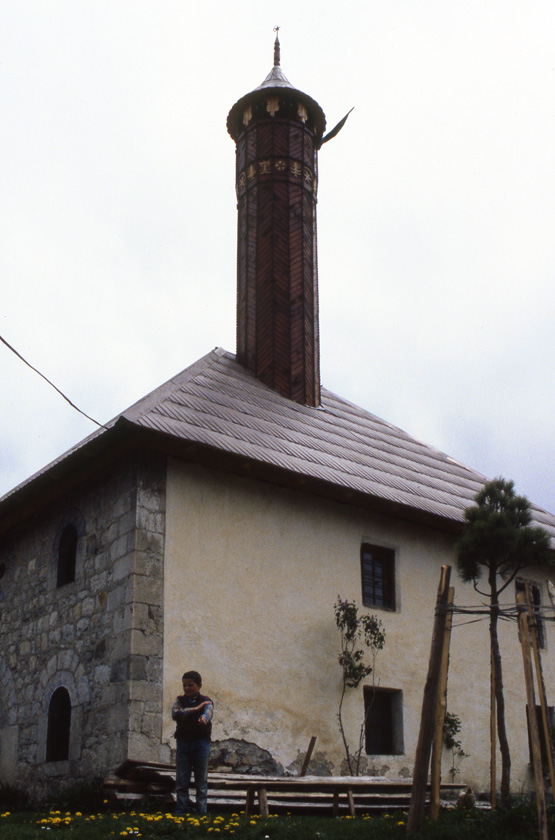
(192, 712)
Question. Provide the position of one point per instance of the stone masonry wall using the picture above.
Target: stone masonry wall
(100, 636)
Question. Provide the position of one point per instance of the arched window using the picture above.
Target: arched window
(67, 553)
(59, 725)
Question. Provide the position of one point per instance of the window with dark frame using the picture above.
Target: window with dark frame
(67, 555)
(383, 717)
(59, 726)
(535, 592)
(378, 576)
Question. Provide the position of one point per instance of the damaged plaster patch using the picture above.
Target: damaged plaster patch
(238, 756)
(366, 768)
(319, 765)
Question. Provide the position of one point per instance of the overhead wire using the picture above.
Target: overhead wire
(61, 393)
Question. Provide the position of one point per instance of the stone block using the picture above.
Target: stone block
(68, 632)
(83, 626)
(148, 591)
(119, 548)
(123, 505)
(146, 644)
(102, 674)
(87, 606)
(120, 670)
(123, 618)
(149, 542)
(151, 726)
(113, 694)
(121, 645)
(126, 524)
(147, 693)
(137, 667)
(123, 567)
(116, 597)
(144, 746)
(148, 564)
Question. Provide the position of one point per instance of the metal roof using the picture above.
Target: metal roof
(217, 403)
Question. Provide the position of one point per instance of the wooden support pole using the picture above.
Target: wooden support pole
(308, 756)
(541, 685)
(429, 704)
(532, 717)
(263, 802)
(437, 745)
(249, 802)
(493, 735)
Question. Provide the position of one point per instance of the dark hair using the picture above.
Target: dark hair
(192, 675)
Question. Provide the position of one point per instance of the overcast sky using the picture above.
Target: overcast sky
(436, 212)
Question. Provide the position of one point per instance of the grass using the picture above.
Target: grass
(518, 823)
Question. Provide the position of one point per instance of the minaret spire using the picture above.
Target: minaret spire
(278, 130)
(276, 47)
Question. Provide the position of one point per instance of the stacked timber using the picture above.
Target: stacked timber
(135, 780)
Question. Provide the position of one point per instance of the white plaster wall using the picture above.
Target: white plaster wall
(251, 575)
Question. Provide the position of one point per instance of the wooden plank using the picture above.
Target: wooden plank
(263, 802)
(541, 685)
(249, 802)
(308, 756)
(437, 744)
(429, 703)
(493, 735)
(532, 717)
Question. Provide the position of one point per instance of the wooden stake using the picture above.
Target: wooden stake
(541, 684)
(437, 746)
(308, 756)
(429, 704)
(532, 717)
(493, 736)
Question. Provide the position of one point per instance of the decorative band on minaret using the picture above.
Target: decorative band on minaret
(277, 130)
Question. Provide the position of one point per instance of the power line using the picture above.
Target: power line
(19, 356)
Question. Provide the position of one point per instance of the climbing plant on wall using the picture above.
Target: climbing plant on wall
(361, 635)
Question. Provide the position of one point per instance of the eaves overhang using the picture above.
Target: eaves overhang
(100, 450)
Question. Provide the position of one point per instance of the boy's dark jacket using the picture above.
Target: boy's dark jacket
(188, 727)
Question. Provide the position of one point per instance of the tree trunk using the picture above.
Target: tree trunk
(500, 699)
(342, 730)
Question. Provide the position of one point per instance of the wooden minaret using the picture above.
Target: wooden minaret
(278, 130)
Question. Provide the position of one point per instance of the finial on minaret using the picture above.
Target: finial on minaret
(276, 47)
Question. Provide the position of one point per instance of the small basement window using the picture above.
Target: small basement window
(67, 554)
(59, 725)
(383, 718)
(378, 576)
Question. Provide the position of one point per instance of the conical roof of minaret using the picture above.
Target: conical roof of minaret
(275, 82)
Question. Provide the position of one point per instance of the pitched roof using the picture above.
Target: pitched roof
(218, 404)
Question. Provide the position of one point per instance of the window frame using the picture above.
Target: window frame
(67, 556)
(386, 557)
(393, 726)
(58, 733)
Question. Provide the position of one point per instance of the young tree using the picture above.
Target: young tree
(355, 630)
(498, 542)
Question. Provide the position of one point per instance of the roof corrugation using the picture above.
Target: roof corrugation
(218, 403)
(222, 405)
